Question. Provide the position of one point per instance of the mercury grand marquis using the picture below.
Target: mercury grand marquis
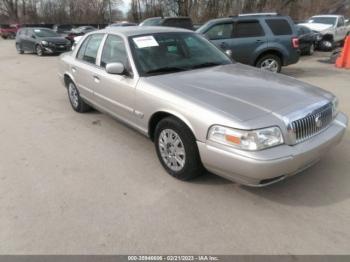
(202, 110)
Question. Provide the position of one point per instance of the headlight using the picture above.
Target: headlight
(44, 43)
(335, 103)
(246, 140)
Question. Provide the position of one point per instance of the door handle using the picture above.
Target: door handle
(259, 41)
(97, 79)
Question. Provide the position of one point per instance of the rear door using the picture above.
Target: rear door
(248, 37)
(84, 66)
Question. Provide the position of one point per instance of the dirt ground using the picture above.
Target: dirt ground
(86, 184)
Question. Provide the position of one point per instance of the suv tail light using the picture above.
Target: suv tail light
(295, 42)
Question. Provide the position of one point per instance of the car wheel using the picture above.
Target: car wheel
(311, 50)
(39, 50)
(270, 62)
(327, 45)
(177, 149)
(19, 49)
(77, 103)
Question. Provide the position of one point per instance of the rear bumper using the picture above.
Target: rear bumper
(271, 165)
(293, 58)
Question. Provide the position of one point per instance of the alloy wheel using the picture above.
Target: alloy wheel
(73, 95)
(270, 65)
(172, 150)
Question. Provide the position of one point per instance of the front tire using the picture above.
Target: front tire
(270, 63)
(39, 50)
(311, 50)
(177, 149)
(77, 103)
(327, 44)
(19, 49)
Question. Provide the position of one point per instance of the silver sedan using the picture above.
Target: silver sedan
(202, 110)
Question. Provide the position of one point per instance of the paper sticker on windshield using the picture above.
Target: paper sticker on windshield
(37, 30)
(145, 41)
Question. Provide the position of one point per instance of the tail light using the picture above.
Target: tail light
(295, 42)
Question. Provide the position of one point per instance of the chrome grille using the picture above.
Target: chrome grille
(312, 124)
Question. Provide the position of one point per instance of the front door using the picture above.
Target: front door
(115, 93)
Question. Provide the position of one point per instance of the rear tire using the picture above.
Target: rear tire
(77, 103)
(177, 149)
(270, 62)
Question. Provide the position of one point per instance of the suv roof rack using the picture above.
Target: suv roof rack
(258, 14)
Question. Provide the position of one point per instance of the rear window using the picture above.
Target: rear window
(248, 29)
(279, 26)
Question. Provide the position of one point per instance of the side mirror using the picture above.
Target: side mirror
(229, 53)
(115, 68)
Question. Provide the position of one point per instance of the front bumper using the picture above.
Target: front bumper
(56, 49)
(265, 167)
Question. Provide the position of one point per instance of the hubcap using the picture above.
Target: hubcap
(73, 95)
(312, 49)
(270, 65)
(172, 149)
(39, 51)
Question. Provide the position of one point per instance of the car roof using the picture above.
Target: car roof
(142, 30)
(334, 16)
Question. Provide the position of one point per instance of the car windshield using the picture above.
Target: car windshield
(323, 20)
(45, 33)
(163, 53)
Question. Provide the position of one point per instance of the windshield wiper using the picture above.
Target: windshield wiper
(166, 70)
(207, 64)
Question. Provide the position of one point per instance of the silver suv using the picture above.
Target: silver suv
(201, 109)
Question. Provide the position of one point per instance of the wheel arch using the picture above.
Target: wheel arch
(268, 52)
(67, 77)
(159, 115)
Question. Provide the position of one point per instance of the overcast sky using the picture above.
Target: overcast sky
(125, 6)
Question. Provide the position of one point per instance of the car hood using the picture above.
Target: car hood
(241, 92)
(317, 26)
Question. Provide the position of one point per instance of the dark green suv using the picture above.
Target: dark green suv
(264, 41)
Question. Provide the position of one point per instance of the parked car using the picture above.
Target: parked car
(307, 40)
(62, 29)
(201, 109)
(121, 24)
(41, 41)
(9, 31)
(267, 42)
(180, 22)
(79, 31)
(332, 29)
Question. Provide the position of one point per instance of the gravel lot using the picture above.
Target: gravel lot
(85, 184)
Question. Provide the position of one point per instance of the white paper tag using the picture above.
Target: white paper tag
(145, 41)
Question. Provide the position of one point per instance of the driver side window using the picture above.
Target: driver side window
(221, 31)
(114, 51)
(341, 22)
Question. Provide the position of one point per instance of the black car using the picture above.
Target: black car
(41, 41)
(307, 40)
(79, 31)
(181, 22)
